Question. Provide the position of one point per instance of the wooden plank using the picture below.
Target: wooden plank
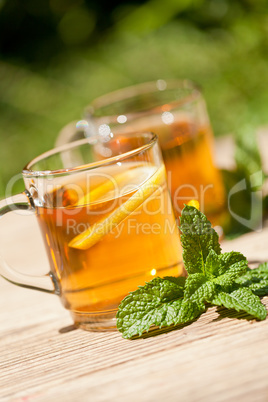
(218, 357)
(215, 354)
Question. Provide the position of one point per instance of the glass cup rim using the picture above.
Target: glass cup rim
(28, 172)
(130, 92)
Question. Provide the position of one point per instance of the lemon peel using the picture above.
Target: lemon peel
(193, 203)
(98, 230)
(111, 184)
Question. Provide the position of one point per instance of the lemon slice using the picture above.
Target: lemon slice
(110, 185)
(99, 229)
(193, 203)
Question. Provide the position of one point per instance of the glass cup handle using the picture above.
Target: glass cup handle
(46, 283)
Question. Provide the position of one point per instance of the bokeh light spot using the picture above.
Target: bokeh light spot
(76, 26)
(122, 119)
(104, 130)
(167, 118)
(161, 85)
(82, 125)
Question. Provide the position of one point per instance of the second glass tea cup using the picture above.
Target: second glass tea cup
(176, 111)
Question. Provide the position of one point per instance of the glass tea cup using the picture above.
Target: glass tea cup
(107, 222)
(176, 112)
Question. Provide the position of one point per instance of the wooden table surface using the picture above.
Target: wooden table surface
(43, 358)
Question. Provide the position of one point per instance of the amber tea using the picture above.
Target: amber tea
(187, 153)
(120, 233)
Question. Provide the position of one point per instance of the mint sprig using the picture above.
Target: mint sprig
(160, 302)
(221, 279)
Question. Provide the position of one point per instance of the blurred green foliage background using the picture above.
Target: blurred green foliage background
(57, 55)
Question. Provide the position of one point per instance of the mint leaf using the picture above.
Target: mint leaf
(201, 288)
(212, 265)
(249, 175)
(198, 289)
(247, 155)
(241, 299)
(232, 273)
(160, 303)
(198, 238)
(256, 280)
(228, 259)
